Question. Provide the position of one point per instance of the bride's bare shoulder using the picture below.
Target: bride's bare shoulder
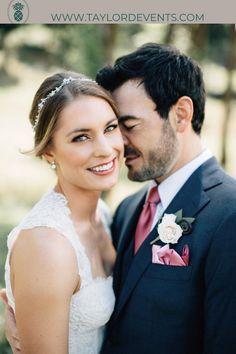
(43, 252)
(43, 239)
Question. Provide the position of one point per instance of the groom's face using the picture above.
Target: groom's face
(151, 144)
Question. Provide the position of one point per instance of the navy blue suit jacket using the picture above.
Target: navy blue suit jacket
(166, 309)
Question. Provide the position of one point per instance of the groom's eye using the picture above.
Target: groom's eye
(129, 123)
(129, 127)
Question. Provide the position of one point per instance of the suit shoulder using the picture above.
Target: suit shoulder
(227, 190)
(229, 181)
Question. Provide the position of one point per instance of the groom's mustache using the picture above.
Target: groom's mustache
(131, 152)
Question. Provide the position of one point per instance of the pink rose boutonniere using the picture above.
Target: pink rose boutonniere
(170, 228)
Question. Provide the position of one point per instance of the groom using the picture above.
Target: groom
(176, 295)
(180, 297)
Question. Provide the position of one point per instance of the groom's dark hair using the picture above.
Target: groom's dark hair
(166, 74)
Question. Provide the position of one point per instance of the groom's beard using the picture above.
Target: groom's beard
(157, 162)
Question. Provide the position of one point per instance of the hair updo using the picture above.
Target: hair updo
(47, 117)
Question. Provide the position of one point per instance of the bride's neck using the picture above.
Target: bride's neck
(82, 203)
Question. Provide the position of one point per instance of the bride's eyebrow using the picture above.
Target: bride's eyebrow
(115, 119)
(86, 130)
(78, 131)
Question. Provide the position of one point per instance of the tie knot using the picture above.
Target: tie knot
(153, 196)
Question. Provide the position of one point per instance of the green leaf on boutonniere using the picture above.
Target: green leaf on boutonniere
(155, 240)
(179, 215)
(190, 220)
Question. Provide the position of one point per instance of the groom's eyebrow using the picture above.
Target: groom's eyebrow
(123, 119)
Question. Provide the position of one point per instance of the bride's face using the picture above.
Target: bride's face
(87, 145)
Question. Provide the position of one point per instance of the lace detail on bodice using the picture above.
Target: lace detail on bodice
(91, 307)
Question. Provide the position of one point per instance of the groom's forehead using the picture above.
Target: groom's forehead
(130, 89)
(132, 100)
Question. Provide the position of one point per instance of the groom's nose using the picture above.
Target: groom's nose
(125, 139)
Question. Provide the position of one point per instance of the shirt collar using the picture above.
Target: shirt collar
(172, 184)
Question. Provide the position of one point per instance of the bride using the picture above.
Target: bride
(60, 257)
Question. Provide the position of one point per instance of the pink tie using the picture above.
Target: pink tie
(146, 218)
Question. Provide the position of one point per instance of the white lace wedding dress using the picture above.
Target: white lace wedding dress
(91, 307)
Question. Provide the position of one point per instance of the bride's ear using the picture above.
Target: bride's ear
(49, 156)
(183, 113)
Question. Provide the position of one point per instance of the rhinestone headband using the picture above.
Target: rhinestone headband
(65, 81)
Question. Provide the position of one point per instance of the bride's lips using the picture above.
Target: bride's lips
(103, 168)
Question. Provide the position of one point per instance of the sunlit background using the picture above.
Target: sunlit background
(29, 53)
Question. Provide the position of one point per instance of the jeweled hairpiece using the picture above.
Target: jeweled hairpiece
(65, 81)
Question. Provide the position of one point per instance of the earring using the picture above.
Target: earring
(53, 165)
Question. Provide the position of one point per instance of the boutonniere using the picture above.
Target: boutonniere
(172, 226)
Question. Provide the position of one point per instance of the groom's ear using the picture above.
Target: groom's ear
(183, 113)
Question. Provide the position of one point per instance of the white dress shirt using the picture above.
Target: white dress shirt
(171, 185)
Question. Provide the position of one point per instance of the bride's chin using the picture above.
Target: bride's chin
(106, 186)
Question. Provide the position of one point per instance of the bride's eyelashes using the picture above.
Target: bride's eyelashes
(85, 137)
(111, 127)
(80, 138)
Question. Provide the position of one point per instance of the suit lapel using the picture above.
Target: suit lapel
(191, 198)
(127, 234)
(133, 211)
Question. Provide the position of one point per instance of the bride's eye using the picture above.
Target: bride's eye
(110, 128)
(80, 138)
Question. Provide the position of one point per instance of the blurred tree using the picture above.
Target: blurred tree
(229, 93)
(168, 38)
(4, 31)
(207, 43)
(78, 47)
(84, 48)
(109, 36)
(87, 48)
(4, 347)
(212, 44)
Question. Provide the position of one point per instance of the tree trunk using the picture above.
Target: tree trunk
(169, 34)
(109, 41)
(229, 91)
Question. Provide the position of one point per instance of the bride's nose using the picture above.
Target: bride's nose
(103, 146)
